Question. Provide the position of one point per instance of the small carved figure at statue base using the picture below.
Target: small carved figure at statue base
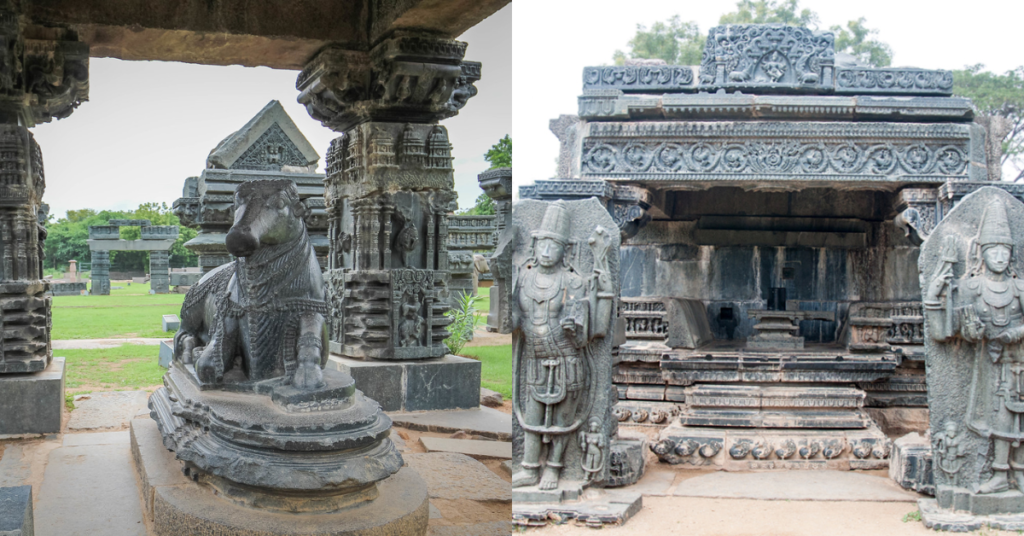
(974, 325)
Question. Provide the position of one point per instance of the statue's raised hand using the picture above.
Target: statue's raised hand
(939, 282)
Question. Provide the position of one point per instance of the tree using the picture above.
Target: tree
(858, 41)
(997, 95)
(682, 43)
(500, 154)
(66, 238)
(677, 42)
(770, 11)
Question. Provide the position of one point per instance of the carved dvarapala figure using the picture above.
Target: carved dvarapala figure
(983, 308)
(556, 315)
(262, 316)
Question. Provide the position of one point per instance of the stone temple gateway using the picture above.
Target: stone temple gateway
(772, 202)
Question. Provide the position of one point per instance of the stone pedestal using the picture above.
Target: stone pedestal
(742, 427)
(910, 464)
(449, 382)
(776, 330)
(177, 504)
(16, 511)
(32, 403)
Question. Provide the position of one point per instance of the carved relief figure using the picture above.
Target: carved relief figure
(557, 313)
(592, 444)
(949, 449)
(410, 332)
(983, 308)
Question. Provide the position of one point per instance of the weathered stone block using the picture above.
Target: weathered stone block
(450, 382)
(171, 323)
(166, 353)
(911, 464)
(32, 403)
(16, 511)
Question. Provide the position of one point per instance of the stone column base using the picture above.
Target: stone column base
(33, 403)
(177, 505)
(938, 518)
(449, 382)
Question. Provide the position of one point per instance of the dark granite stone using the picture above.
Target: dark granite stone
(381, 381)
(33, 403)
(16, 511)
(452, 382)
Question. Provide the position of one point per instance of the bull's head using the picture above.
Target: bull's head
(267, 213)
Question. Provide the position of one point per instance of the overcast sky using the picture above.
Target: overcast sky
(554, 40)
(150, 125)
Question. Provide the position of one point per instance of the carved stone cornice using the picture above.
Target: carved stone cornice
(404, 78)
(43, 75)
(496, 183)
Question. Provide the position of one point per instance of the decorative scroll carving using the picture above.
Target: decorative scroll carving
(917, 81)
(671, 151)
(639, 78)
(767, 55)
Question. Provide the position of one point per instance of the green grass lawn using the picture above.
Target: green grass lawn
(128, 312)
(496, 367)
(127, 367)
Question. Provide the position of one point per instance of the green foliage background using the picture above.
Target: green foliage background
(66, 238)
(499, 156)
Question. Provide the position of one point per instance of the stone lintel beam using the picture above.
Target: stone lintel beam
(280, 34)
(130, 245)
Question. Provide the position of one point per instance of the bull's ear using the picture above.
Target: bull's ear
(300, 209)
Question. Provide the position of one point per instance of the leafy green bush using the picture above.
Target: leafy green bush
(464, 322)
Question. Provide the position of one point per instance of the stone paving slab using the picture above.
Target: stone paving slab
(101, 438)
(469, 447)
(15, 466)
(483, 421)
(796, 486)
(655, 482)
(494, 528)
(105, 410)
(89, 490)
(100, 344)
(453, 476)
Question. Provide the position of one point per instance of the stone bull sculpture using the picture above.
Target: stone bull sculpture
(262, 316)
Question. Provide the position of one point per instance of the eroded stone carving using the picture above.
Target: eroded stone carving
(563, 308)
(745, 55)
(974, 326)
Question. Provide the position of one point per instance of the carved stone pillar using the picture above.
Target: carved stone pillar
(159, 272)
(389, 189)
(100, 275)
(497, 184)
(43, 75)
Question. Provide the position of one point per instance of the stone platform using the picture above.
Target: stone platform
(532, 507)
(32, 402)
(935, 517)
(749, 427)
(174, 504)
(449, 382)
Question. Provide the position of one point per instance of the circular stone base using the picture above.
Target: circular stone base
(399, 510)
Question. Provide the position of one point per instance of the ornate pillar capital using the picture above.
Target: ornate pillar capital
(406, 77)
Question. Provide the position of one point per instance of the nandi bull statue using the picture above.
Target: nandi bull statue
(246, 405)
(262, 316)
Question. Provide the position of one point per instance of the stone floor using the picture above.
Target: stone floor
(84, 483)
